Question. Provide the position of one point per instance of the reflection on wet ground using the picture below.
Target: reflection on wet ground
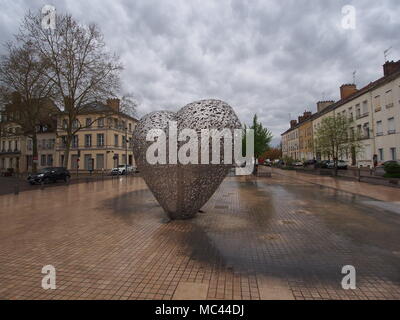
(111, 239)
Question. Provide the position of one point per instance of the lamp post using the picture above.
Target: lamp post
(126, 151)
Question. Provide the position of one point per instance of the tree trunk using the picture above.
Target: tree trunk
(67, 150)
(66, 156)
(335, 167)
(35, 154)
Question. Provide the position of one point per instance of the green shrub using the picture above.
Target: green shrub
(392, 175)
(392, 168)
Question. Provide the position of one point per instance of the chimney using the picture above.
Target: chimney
(321, 105)
(301, 118)
(113, 104)
(307, 114)
(293, 123)
(390, 67)
(347, 90)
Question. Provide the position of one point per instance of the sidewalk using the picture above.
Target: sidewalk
(377, 192)
(12, 184)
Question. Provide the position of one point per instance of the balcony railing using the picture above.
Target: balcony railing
(95, 146)
(10, 152)
(359, 116)
(391, 131)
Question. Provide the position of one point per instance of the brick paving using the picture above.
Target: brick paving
(258, 238)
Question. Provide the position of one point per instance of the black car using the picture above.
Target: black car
(48, 175)
(321, 164)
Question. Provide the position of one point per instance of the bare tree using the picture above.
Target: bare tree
(128, 105)
(26, 91)
(81, 68)
(336, 138)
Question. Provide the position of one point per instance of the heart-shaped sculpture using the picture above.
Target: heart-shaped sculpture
(182, 189)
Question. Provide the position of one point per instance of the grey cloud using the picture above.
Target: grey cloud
(273, 58)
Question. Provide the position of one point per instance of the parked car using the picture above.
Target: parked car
(322, 164)
(310, 162)
(51, 174)
(340, 165)
(298, 164)
(122, 168)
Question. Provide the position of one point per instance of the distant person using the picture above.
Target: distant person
(375, 159)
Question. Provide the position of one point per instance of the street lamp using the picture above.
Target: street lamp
(126, 151)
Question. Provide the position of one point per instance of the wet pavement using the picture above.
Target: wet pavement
(258, 238)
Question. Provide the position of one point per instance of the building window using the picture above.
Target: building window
(63, 141)
(380, 152)
(130, 126)
(88, 122)
(366, 130)
(43, 160)
(379, 129)
(377, 103)
(88, 165)
(75, 141)
(116, 140)
(100, 140)
(99, 161)
(75, 124)
(50, 160)
(391, 126)
(100, 123)
(52, 142)
(365, 107)
(393, 153)
(88, 140)
(64, 124)
(389, 99)
(358, 111)
(74, 161)
(124, 141)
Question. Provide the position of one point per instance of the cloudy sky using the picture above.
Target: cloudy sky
(275, 58)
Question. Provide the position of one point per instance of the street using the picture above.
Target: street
(258, 238)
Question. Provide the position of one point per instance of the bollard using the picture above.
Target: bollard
(16, 189)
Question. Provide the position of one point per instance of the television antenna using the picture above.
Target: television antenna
(354, 76)
(386, 53)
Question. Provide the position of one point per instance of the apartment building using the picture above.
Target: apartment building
(306, 141)
(16, 147)
(386, 118)
(290, 141)
(375, 111)
(103, 142)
